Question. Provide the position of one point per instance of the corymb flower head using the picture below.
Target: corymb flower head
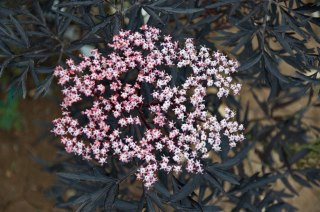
(133, 105)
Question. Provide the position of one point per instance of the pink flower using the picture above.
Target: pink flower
(166, 126)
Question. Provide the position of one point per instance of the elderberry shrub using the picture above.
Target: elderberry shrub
(36, 36)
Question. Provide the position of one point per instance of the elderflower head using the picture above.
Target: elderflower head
(165, 126)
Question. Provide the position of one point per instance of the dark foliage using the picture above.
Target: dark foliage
(35, 36)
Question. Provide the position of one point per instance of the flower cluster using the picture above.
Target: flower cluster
(167, 128)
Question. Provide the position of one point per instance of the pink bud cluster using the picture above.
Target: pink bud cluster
(173, 131)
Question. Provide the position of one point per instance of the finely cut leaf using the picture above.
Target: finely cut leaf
(186, 190)
(21, 31)
(86, 177)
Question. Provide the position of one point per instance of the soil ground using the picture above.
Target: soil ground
(23, 183)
